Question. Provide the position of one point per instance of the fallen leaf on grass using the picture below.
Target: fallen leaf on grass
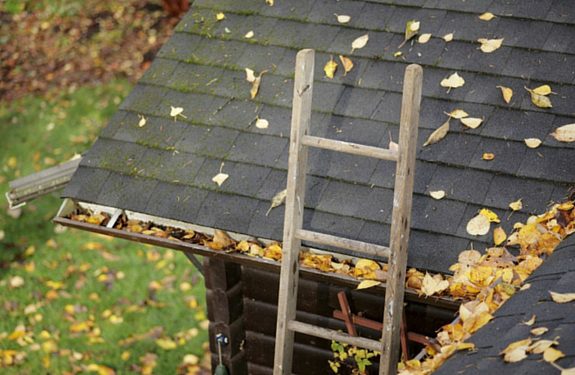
(487, 16)
(360, 42)
(433, 285)
(516, 206)
(368, 284)
(489, 45)
(166, 344)
(506, 92)
(565, 133)
(452, 82)
(448, 37)
(277, 200)
(262, 123)
(562, 297)
(342, 18)
(424, 38)
(438, 194)
(347, 64)
(471, 122)
(329, 68)
(539, 331)
(438, 134)
(532, 142)
(478, 225)
(499, 236)
(16, 282)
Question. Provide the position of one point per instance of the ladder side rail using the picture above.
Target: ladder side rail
(294, 207)
(401, 218)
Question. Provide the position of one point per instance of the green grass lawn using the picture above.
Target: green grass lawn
(73, 302)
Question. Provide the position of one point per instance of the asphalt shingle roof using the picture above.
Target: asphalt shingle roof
(165, 167)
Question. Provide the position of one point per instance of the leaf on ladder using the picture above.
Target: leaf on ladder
(277, 200)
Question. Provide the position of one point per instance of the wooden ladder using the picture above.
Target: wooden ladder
(293, 234)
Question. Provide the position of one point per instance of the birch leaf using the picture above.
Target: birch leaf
(329, 68)
(424, 38)
(249, 34)
(552, 354)
(506, 92)
(562, 297)
(220, 178)
(487, 16)
(255, 83)
(543, 90)
(438, 134)
(142, 121)
(457, 114)
(359, 42)
(488, 156)
(516, 206)
(433, 285)
(438, 194)
(176, 111)
(411, 29)
(220, 16)
(565, 133)
(532, 142)
(262, 123)
(539, 100)
(277, 200)
(368, 284)
(531, 321)
(448, 37)
(499, 236)
(453, 81)
(490, 215)
(490, 45)
(478, 226)
(250, 76)
(342, 18)
(471, 122)
(539, 331)
(516, 351)
(540, 346)
(346, 63)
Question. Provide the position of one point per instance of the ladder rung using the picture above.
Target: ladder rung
(330, 334)
(344, 243)
(350, 148)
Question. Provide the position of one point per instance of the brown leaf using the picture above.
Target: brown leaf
(347, 64)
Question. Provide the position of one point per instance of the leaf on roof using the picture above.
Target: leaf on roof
(255, 80)
(565, 133)
(220, 241)
(540, 346)
(220, 178)
(487, 16)
(220, 16)
(516, 206)
(499, 236)
(249, 34)
(506, 92)
(329, 68)
(541, 101)
(433, 284)
(516, 351)
(437, 194)
(448, 37)
(438, 134)
(562, 297)
(250, 75)
(543, 90)
(277, 200)
(360, 42)
(424, 38)
(398, 54)
(411, 29)
(368, 284)
(346, 63)
(552, 354)
(342, 18)
(539, 331)
(488, 156)
(471, 122)
(532, 142)
(457, 114)
(262, 123)
(270, 3)
(176, 111)
(489, 45)
(478, 225)
(452, 82)
(531, 321)
(142, 121)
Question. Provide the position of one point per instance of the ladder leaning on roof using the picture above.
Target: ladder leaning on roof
(293, 234)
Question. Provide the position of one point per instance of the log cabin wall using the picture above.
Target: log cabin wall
(242, 304)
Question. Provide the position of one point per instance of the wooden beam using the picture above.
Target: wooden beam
(365, 248)
(350, 148)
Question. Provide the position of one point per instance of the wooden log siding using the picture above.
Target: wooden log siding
(255, 291)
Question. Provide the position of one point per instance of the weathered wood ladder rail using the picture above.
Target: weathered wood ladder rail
(396, 254)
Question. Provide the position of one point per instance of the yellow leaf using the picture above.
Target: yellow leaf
(438, 134)
(457, 114)
(347, 64)
(411, 29)
(539, 100)
(543, 90)
(176, 111)
(516, 206)
(250, 75)
(398, 54)
(220, 16)
(516, 351)
(360, 42)
(453, 81)
(433, 285)
(329, 68)
(277, 200)
(565, 133)
(249, 34)
(166, 344)
(142, 122)
(499, 236)
(552, 354)
(342, 18)
(270, 3)
(530, 322)
(125, 355)
(488, 156)
(490, 45)
(448, 37)
(16, 282)
(478, 226)
(532, 142)
(471, 122)
(220, 178)
(487, 16)
(368, 284)
(539, 331)
(262, 123)
(221, 239)
(562, 297)
(506, 92)
(424, 38)
(540, 346)
(490, 215)
(438, 194)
